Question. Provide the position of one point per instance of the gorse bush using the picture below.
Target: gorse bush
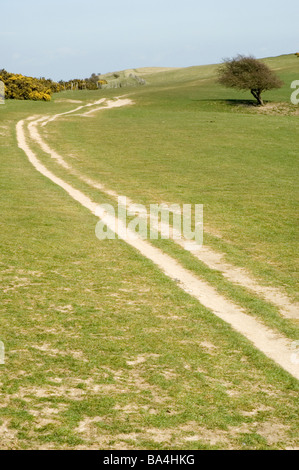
(102, 82)
(19, 87)
(78, 84)
(91, 83)
(39, 96)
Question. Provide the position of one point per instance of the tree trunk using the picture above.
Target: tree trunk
(257, 95)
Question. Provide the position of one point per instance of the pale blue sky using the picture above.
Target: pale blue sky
(64, 39)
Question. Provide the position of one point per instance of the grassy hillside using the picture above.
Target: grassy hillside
(236, 160)
(102, 350)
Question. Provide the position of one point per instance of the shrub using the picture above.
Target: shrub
(19, 87)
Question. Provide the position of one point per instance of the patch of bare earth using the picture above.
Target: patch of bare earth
(8, 436)
(64, 100)
(4, 131)
(286, 109)
(14, 279)
(273, 433)
(50, 351)
(278, 109)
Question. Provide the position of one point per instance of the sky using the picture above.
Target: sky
(64, 39)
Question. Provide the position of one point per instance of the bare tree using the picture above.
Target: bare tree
(248, 73)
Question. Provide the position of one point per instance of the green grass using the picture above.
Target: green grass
(102, 350)
(238, 163)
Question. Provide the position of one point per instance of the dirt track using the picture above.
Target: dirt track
(270, 343)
